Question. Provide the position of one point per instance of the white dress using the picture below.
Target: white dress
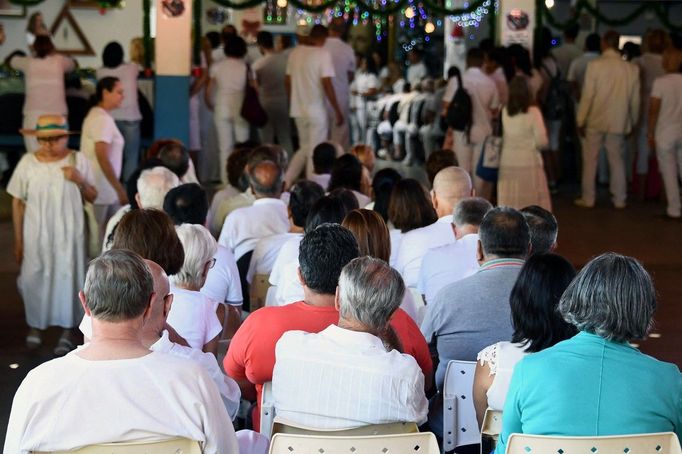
(53, 267)
(522, 180)
(501, 359)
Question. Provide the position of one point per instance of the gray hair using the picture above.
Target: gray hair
(470, 211)
(153, 185)
(200, 247)
(370, 291)
(613, 296)
(118, 286)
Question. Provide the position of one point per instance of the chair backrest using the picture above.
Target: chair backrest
(420, 305)
(656, 443)
(490, 430)
(420, 443)
(284, 426)
(460, 426)
(172, 446)
(259, 290)
(267, 410)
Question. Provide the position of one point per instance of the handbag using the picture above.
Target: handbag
(252, 111)
(92, 244)
(488, 165)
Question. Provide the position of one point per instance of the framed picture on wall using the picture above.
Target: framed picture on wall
(8, 9)
(89, 4)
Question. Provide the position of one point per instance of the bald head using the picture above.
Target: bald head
(450, 185)
(161, 289)
(266, 180)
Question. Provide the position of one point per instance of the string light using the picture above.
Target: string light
(429, 27)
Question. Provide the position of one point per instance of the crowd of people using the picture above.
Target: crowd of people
(375, 281)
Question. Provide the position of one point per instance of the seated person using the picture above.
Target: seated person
(193, 314)
(352, 374)
(173, 154)
(114, 389)
(544, 229)
(324, 155)
(347, 173)
(537, 325)
(597, 383)
(155, 336)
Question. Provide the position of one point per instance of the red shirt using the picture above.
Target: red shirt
(251, 355)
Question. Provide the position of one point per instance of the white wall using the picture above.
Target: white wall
(117, 24)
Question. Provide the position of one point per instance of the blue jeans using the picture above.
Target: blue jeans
(131, 150)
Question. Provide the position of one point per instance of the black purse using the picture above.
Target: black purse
(252, 111)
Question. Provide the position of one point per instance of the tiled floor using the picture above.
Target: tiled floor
(638, 231)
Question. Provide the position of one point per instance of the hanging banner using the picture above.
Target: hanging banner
(173, 37)
(516, 22)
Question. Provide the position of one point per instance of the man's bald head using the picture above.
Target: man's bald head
(265, 178)
(161, 289)
(450, 185)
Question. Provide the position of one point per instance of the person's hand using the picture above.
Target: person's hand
(72, 174)
(19, 252)
(339, 118)
(122, 196)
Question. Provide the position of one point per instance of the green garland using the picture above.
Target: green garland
(433, 6)
(385, 11)
(656, 7)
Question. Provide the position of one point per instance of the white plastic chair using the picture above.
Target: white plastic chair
(655, 443)
(460, 426)
(267, 410)
(490, 430)
(285, 426)
(171, 446)
(420, 443)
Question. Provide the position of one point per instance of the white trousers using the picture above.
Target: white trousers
(615, 154)
(468, 155)
(669, 154)
(311, 132)
(339, 134)
(231, 128)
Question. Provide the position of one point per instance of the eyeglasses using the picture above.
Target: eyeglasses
(211, 263)
(49, 140)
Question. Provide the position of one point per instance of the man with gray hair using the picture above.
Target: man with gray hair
(450, 185)
(152, 186)
(53, 409)
(543, 227)
(470, 314)
(352, 374)
(450, 263)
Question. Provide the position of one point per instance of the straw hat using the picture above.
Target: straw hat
(50, 125)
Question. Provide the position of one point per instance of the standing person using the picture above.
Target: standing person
(608, 110)
(308, 81)
(35, 27)
(576, 72)
(522, 180)
(128, 116)
(102, 143)
(664, 134)
(229, 77)
(568, 51)
(650, 65)
(48, 188)
(44, 80)
(270, 71)
(343, 59)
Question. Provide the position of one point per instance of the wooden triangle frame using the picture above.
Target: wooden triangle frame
(65, 14)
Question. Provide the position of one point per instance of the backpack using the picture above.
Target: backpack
(460, 109)
(556, 105)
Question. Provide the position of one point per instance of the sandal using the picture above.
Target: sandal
(34, 338)
(64, 346)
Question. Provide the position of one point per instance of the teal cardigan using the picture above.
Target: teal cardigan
(589, 386)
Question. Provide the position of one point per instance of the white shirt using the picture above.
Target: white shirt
(193, 316)
(71, 402)
(651, 68)
(222, 282)
(415, 73)
(576, 72)
(501, 359)
(610, 98)
(307, 66)
(321, 179)
(501, 84)
(396, 237)
(484, 98)
(219, 198)
(340, 378)
(447, 264)
(266, 252)
(44, 79)
(127, 73)
(99, 126)
(362, 199)
(228, 388)
(343, 59)
(414, 245)
(288, 253)
(230, 84)
(270, 70)
(668, 89)
(244, 227)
